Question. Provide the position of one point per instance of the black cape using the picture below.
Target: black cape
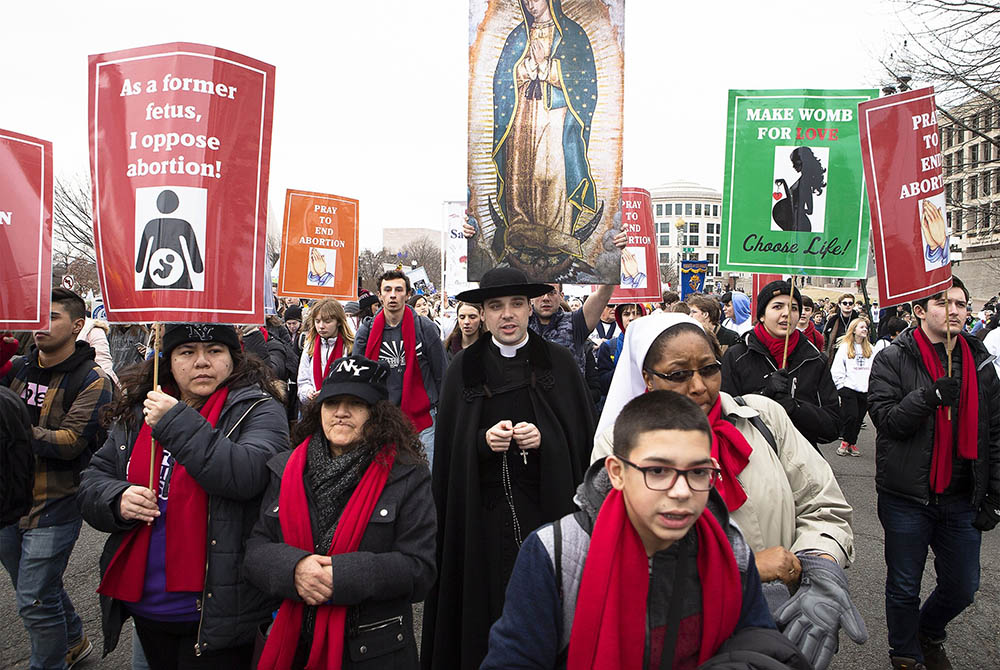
(457, 619)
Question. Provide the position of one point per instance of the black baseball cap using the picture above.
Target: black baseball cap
(357, 376)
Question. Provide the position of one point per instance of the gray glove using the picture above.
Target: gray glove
(812, 618)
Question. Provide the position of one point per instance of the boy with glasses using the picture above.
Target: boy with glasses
(650, 573)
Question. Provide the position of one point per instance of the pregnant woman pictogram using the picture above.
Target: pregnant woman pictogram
(168, 249)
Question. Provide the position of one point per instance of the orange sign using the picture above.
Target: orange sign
(319, 246)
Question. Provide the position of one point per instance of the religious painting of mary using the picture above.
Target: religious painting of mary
(545, 137)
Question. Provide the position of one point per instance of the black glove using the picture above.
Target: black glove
(944, 391)
(778, 387)
(989, 514)
(812, 619)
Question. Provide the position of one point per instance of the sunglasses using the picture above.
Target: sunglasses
(847, 303)
(681, 376)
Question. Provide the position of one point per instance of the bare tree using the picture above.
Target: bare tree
(953, 45)
(72, 217)
(427, 253)
(370, 265)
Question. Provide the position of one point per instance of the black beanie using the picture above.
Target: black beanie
(177, 334)
(293, 313)
(772, 290)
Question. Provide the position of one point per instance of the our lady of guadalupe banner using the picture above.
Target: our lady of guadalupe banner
(640, 264)
(180, 144)
(794, 192)
(545, 137)
(902, 157)
(25, 232)
(319, 246)
(693, 275)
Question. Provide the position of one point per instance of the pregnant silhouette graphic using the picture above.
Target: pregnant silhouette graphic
(168, 249)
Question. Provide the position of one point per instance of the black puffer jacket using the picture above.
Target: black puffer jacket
(230, 463)
(392, 568)
(904, 443)
(747, 365)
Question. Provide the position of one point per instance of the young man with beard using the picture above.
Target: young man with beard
(411, 345)
(64, 390)
(511, 447)
(937, 471)
(802, 384)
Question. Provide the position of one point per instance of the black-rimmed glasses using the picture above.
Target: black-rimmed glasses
(681, 376)
(663, 477)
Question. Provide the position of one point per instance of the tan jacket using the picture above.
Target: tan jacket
(803, 510)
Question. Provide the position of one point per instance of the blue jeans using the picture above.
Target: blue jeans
(427, 438)
(910, 528)
(36, 560)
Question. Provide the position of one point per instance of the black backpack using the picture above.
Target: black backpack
(17, 460)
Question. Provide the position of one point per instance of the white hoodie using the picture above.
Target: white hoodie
(852, 373)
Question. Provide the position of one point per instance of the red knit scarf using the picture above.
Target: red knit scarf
(968, 412)
(732, 451)
(776, 345)
(812, 335)
(320, 371)
(293, 513)
(609, 624)
(186, 519)
(415, 403)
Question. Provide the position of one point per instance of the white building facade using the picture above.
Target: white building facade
(688, 221)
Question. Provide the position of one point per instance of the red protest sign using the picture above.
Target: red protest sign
(640, 265)
(180, 149)
(319, 246)
(902, 161)
(759, 282)
(25, 232)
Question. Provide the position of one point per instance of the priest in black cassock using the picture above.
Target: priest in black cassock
(514, 433)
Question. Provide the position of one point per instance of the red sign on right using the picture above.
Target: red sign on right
(900, 147)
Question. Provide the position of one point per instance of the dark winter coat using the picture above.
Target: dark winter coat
(747, 365)
(230, 463)
(546, 582)
(392, 568)
(904, 443)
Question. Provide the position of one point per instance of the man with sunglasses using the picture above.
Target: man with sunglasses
(650, 573)
(801, 382)
(837, 323)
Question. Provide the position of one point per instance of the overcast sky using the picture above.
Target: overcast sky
(370, 97)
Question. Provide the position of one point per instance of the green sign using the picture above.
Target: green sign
(689, 250)
(794, 191)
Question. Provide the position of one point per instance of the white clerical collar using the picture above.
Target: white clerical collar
(509, 350)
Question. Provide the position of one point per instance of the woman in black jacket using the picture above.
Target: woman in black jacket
(346, 530)
(173, 559)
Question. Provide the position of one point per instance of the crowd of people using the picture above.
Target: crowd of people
(564, 482)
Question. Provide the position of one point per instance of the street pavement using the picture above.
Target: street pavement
(973, 642)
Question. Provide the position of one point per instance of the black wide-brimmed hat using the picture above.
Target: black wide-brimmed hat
(501, 282)
(357, 376)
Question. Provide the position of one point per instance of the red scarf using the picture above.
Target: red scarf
(609, 624)
(812, 335)
(732, 451)
(187, 523)
(293, 513)
(968, 412)
(320, 371)
(415, 403)
(776, 345)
